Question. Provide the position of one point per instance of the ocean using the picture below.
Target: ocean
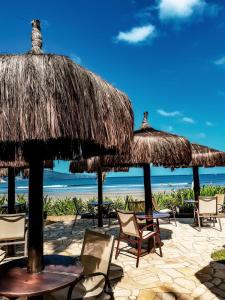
(61, 183)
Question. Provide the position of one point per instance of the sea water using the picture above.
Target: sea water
(61, 183)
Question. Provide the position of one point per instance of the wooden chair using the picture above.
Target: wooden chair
(207, 208)
(171, 211)
(79, 210)
(220, 202)
(131, 232)
(96, 255)
(13, 230)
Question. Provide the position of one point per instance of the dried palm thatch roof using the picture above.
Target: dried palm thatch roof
(21, 167)
(149, 146)
(92, 165)
(203, 156)
(50, 105)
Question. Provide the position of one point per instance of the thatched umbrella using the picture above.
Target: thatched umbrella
(151, 146)
(52, 108)
(13, 169)
(93, 165)
(203, 156)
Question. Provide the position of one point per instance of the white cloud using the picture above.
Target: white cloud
(137, 34)
(188, 120)
(180, 9)
(201, 135)
(76, 58)
(220, 61)
(207, 123)
(169, 114)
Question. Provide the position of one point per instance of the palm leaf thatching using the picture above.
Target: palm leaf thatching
(92, 165)
(151, 146)
(20, 167)
(203, 156)
(57, 108)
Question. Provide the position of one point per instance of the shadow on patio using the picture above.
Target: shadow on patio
(213, 277)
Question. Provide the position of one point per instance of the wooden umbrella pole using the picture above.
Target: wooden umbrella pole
(148, 201)
(11, 190)
(196, 182)
(148, 189)
(100, 198)
(35, 235)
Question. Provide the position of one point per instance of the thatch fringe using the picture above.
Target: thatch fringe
(149, 146)
(203, 156)
(58, 109)
(21, 167)
(91, 165)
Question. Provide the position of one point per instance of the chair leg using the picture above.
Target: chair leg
(74, 222)
(174, 217)
(220, 224)
(138, 252)
(199, 222)
(117, 247)
(159, 242)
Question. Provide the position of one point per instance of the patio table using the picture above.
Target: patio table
(59, 272)
(156, 216)
(100, 206)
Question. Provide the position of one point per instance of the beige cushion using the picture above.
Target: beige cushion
(147, 234)
(165, 210)
(91, 287)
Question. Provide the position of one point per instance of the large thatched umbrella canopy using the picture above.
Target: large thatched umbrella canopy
(93, 165)
(150, 146)
(53, 108)
(203, 156)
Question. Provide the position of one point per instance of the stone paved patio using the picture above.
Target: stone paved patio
(184, 272)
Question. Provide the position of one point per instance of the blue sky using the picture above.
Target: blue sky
(167, 55)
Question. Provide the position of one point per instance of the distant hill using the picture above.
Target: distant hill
(52, 175)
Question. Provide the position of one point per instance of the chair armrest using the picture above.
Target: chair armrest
(82, 277)
(147, 226)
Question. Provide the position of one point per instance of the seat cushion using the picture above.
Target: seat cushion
(165, 210)
(147, 234)
(91, 287)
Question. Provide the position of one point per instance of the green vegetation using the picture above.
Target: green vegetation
(219, 256)
(65, 206)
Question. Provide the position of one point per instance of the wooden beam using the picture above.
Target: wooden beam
(100, 198)
(35, 235)
(148, 189)
(196, 183)
(11, 191)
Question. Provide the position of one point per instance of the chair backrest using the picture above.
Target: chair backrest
(136, 206)
(128, 223)
(77, 206)
(96, 253)
(220, 199)
(155, 204)
(207, 205)
(12, 227)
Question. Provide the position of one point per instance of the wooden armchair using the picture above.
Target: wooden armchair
(220, 203)
(171, 210)
(207, 208)
(12, 230)
(96, 255)
(131, 232)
